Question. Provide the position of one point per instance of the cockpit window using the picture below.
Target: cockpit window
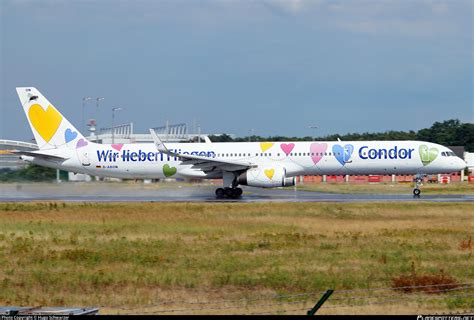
(448, 154)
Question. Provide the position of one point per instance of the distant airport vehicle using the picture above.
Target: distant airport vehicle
(257, 164)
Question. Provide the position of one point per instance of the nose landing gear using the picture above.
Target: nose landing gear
(232, 193)
(418, 184)
(416, 192)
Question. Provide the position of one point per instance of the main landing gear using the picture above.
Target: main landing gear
(418, 183)
(232, 193)
(230, 189)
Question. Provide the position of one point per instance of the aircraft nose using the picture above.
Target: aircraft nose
(460, 164)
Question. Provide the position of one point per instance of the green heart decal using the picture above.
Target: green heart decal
(168, 171)
(427, 155)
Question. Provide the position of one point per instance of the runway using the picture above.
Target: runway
(117, 192)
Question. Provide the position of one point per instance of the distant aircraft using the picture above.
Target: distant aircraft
(257, 164)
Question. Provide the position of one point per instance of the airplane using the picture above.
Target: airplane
(257, 164)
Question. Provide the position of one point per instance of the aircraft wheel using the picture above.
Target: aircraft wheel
(220, 193)
(416, 192)
(238, 192)
(229, 192)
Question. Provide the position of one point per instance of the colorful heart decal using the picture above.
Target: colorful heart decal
(317, 150)
(342, 154)
(117, 147)
(266, 145)
(168, 171)
(287, 148)
(270, 173)
(427, 155)
(70, 135)
(46, 123)
(81, 143)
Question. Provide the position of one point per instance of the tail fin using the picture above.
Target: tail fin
(50, 128)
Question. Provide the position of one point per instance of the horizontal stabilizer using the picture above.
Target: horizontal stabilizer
(43, 156)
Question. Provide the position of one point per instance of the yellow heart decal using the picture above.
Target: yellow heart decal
(46, 123)
(266, 145)
(270, 173)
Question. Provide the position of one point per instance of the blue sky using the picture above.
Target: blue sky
(272, 66)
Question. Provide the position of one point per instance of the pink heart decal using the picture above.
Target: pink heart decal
(317, 150)
(287, 148)
(117, 147)
(81, 143)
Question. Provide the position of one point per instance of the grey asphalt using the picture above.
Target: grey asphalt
(171, 192)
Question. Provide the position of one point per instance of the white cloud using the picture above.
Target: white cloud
(406, 18)
(291, 7)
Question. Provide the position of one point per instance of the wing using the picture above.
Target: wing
(39, 155)
(205, 164)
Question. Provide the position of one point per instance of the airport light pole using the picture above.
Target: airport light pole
(84, 100)
(313, 127)
(113, 121)
(97, 100)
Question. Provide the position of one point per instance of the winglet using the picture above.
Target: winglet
(158, 143)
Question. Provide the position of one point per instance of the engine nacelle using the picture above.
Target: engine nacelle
(266, 178)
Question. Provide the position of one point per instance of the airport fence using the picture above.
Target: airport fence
(328, 301)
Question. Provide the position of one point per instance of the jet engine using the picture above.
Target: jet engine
(266, 178)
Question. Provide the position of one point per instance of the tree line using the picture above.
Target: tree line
(448, 133)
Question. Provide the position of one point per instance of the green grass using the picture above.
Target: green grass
(136, 254)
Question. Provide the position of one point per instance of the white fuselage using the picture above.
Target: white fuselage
(296, 158)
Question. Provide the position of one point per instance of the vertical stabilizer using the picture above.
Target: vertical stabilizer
(50, 128)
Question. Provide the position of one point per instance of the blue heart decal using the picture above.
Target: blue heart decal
(342, 154)
(70, 135)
